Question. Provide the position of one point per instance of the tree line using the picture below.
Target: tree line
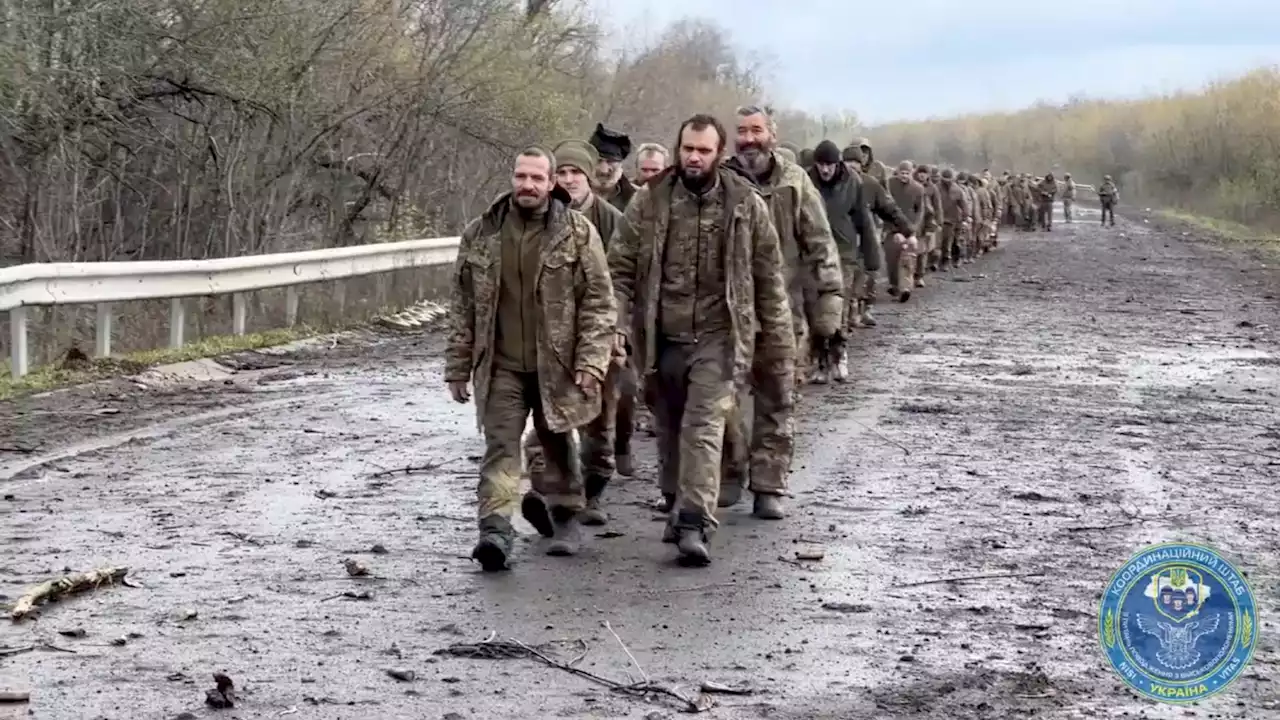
(1214, 152)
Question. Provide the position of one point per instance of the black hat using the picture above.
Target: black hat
(611, 145)
(826, 153)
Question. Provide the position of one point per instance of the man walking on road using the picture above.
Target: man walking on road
(1108, 196)
(760, 452)
(602, 438)
(1068, 189)
(532, 316)
(702, 300)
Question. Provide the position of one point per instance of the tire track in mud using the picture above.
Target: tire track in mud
(1059, 406)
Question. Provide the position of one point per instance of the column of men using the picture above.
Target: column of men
(710, 289)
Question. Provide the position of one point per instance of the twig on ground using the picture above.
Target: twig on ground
(905, 450)
(968, 578)
(406, 470)
(644, 676)
(67, 585)
(509, 649)
(1113, 526)
(7, 652)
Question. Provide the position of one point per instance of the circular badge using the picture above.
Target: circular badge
(1178, 623)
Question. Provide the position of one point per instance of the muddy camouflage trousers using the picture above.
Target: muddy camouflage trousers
(692, 395)
(596, 441)
(900, 261)
(513, 397)
(760, 437)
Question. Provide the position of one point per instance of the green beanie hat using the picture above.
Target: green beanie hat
(576, 154)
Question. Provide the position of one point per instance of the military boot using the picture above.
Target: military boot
(624, 466)
(594, 514)
(842, 366)
(668, 502)
(691, 539)
(567, 537)
(730, 494)
(868, 319)
(768, 507)
(495, 544)
(534, 510)
(819, 375)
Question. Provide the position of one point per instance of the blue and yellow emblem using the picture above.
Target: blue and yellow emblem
(1178, 622)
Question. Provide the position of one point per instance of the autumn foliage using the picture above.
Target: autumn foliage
(1214, 152)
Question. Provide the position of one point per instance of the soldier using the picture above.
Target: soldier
(611, 184)
(850, 220)
(928, 238)
(885, 212)
(900, 257)
(974, 213)
(987, 201)
(603, 448)
(651, 159)
(812, 264)
(701, 287)
(1108, 197)
(871, 166)
(955, 214)
(1030, 208)
(1068, 189)
(531, 291)
(1046, 189)
(869, 251)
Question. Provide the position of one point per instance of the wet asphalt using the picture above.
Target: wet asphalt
(1033, 419)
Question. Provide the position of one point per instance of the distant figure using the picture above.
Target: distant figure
(1108, 196)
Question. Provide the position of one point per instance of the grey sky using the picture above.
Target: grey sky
(897, 60)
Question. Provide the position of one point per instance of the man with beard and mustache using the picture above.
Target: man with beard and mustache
(900, 254)
(760, 452)
(850, 220)
(532, 316)
(651, 159)
(702, 296)
(611, 184)
(602, 446)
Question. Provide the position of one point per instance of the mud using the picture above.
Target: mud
(1039, 415)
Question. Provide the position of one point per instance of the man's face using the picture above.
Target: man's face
(826, 171)
(606, 171)
(651, 165)
(699, 152)
(853, 166)
(531, 181)
(903, 174)
(922, 177)
(574, 182)
(754, 141)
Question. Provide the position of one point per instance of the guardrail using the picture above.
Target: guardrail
(104, 283)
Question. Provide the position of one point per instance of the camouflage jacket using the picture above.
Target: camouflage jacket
(755, 275)
(911, 198)
(800, 219)
(575, 313)
(955, 205)
(1108, 192)
(1068, 188)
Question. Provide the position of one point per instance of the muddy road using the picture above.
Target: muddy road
(1037, 416)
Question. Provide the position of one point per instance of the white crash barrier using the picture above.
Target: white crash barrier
(104, 283)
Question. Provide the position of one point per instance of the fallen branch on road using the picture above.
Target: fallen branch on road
(514, 649)
(63, 586)
(969, 578)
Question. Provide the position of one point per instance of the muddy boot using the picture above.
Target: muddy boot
(623, 465)
(534, 510)
(768, 507)
(842, 367)
(905, 295)
(594, 514)
(867, 318)
(668, 502)
(819, 376)
(892, 290)
(494, 546)
(730, 494)
(691, 540)
(567, 537)
(920, 281)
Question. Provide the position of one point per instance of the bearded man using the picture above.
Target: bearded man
(702, 301)
(531, 328)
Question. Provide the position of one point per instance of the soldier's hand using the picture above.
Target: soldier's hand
(459, 392)
(586, 381)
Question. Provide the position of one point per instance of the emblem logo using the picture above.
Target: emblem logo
(1178, 623)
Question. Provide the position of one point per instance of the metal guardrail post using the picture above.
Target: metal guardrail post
(18, 341)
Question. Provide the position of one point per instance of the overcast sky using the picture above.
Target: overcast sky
(913, 59)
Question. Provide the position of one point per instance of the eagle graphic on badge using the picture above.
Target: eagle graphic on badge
(1178, 622)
